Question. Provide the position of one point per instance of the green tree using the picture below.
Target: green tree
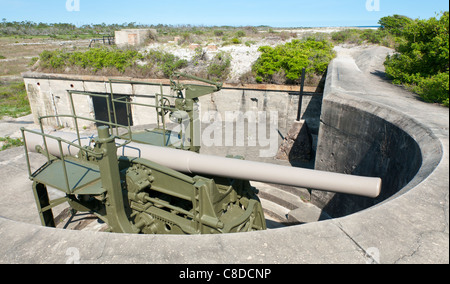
(422, 59)
(395, 24)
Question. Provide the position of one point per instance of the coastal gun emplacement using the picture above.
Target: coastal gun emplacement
(138, 187)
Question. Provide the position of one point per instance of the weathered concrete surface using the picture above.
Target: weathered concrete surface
(384, 130)
(48, 96)
(298, 144)
(412, 227)
(133, 37)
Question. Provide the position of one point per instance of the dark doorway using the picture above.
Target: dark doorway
(101, 109)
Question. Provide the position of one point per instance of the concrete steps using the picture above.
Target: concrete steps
(287, 206)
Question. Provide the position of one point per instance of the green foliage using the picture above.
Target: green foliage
(422, 59)
(220, 67)
(7, 143)
(61, 30)
(347, 36)
(2, 57)
(394, 24)
(236, 41)
(240, 34)
(13, 99)
(166, 62)
(360, 36)
(291, 58)
(434, 88)
(94, 59)
(97, 59)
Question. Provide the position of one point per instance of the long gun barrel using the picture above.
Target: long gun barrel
(194, 163)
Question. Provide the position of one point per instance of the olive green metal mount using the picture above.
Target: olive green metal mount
(134, 195)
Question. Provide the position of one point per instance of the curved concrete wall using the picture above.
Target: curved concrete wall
(411, 227)
(363, 136)
(369, 140)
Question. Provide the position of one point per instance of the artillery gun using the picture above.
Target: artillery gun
(137, 187)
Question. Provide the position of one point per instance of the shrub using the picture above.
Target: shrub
(97, 59)
(422, 59)
(236, 41)
(347, 36)
(394, 24)
(434, 89)
(360, 36)
(94, 59)
(291, 58)
(220, 67)
(240, 34)
(166, 62)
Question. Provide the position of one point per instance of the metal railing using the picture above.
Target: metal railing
(77, 144)
(161, 107)
(106, 40)
(162, 104)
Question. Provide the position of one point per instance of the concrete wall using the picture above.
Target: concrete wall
(48, 96)
(368, 139)
(133, 37)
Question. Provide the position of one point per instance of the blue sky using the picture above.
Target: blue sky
(280, 13)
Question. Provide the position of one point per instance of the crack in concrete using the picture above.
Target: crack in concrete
(366, 254)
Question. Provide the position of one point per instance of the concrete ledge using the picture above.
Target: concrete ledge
(166, 82)
(410, 227)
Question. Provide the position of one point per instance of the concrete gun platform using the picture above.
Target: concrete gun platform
(411, 226)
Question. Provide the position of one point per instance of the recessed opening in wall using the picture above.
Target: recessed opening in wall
(122, 115)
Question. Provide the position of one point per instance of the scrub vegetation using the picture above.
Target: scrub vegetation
(420, 62)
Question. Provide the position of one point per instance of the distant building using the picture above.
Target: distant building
(133, 37)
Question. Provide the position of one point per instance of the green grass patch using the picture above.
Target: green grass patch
(8, 143)
(13, 99)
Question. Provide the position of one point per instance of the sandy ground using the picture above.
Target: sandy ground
(243, 56)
